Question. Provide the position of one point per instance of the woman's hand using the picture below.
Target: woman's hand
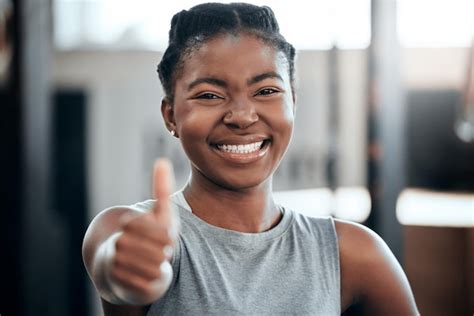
(139, 270)
(127, 253)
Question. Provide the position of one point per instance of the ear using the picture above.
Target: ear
(167, 111)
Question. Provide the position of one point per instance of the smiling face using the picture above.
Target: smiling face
(233, 111)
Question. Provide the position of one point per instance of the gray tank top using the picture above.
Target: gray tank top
(292, 269)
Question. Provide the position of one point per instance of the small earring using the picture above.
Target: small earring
(172, 132)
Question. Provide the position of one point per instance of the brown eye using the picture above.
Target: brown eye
(267, 91)
(208, 96)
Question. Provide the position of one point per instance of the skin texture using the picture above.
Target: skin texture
(236, 90)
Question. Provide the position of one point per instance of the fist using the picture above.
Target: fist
(139, 270)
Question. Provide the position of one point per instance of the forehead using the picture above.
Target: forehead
(233, 56)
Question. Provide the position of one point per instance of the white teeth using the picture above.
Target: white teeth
(241, 149)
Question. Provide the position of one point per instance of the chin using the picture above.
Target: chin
(238, 182)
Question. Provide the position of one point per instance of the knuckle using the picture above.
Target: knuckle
(115, 274)
(131, 222)
(121, 243)
(154, 274)
(128, 218)
(129, 225)
(120, 260)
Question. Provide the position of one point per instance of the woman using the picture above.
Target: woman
(228, 78)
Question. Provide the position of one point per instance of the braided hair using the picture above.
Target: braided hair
(190, 29)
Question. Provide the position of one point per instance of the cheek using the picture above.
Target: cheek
(191, 133)
(286, 123)
(186, 119)
(288, 117)
(195, 124)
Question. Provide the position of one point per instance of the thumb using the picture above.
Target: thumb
(162, 187)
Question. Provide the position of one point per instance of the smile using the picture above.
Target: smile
(243, 153)
(241, 149)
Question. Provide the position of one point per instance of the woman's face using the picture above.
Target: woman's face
(233, 111)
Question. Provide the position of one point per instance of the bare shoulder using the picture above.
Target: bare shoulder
(360, 244)
(370, 274)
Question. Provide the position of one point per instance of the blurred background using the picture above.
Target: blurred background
(384, 134)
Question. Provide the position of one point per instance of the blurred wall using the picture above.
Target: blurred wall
(438, 260)
(126, 133)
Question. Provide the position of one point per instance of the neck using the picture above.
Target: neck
(249, 210)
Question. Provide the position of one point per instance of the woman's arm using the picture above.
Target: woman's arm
(105, 225)
(370, 274)
(127, 252)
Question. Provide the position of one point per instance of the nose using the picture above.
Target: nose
(241, 114)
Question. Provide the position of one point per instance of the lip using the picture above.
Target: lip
(243, 158)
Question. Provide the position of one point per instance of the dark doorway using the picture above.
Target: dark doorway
(69, 174)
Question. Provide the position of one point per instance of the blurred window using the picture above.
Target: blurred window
(348, 203)
(141, 24)
(435, 23)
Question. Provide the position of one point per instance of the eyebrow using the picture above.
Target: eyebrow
(210, 80)
(266, 75)
(222, 83)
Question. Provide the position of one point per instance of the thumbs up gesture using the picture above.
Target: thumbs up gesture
(139, 270)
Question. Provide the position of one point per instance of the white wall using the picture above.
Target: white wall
(431, 68)
(353, 111)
